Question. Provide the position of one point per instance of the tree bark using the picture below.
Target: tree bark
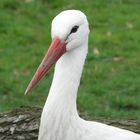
(23, 124)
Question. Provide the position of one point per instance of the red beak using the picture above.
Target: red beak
(55, 51)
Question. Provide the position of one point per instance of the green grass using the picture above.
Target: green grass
(110, 85)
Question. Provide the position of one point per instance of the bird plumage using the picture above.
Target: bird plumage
(60, 119)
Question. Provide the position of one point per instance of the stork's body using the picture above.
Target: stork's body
(60, 119)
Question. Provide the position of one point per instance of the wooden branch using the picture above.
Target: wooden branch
(23, 124)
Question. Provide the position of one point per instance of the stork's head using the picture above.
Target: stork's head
(71, 27)
(69, 31)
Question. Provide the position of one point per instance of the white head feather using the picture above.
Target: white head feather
(63, 23)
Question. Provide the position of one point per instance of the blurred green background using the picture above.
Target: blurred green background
(110, 85)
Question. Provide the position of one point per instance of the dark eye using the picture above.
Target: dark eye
(74, 29)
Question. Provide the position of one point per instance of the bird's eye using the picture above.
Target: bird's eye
(74, 29)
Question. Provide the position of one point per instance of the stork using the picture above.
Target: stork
(60, 119)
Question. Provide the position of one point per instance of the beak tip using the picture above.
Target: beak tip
(26, 92)
(28, 89)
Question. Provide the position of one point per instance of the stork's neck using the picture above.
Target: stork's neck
(66, 78)
(61, 102)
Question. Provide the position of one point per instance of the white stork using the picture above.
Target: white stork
(60, 119)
